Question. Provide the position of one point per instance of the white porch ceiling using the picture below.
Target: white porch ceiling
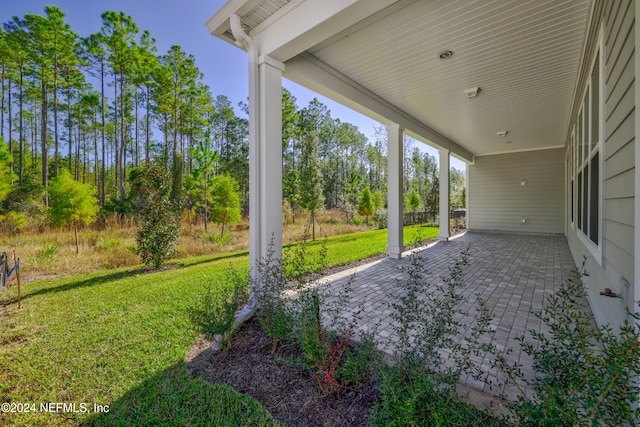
(524, 55)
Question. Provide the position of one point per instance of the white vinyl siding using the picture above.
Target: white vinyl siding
(499, 202)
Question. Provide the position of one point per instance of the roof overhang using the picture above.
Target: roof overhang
(381, 58)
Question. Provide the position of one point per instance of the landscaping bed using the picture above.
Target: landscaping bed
(290, 393)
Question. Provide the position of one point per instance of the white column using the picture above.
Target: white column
(467, 192)
(265, 162)
(395, 196)
(444, 195)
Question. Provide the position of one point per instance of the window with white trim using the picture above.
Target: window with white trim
(584, 159)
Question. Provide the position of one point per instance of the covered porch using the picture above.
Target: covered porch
(476, 80)
(512, 273)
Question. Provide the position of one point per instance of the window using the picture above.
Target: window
(584, 159)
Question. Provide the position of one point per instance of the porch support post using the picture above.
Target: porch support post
(467, 218)
(265, 164)
(395, 196)
(444, 195)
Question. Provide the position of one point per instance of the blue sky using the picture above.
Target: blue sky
(182, 22)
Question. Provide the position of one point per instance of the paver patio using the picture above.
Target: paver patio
(512, 273)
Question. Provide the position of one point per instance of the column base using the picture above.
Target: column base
(395, 251)
(444, 237)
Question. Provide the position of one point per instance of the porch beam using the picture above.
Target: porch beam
(302, 25)
(309, 71)
(445, 232)
(395, 196)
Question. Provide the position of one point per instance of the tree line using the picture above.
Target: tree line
(102, 106)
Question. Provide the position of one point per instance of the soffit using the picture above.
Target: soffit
(252, 14)
(524, 55)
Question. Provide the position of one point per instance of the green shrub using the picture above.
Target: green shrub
(279, 279)
(420, 388)
(109, 242)
(160, 215)
(219, 239)
(48, 252)
(213, 310)
(381, 218)
(585, 375)
(360, 361)
(274, 313)
(294, 304)
(327, 350)
(414, 399)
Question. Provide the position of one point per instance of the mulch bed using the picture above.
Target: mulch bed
(289, 392)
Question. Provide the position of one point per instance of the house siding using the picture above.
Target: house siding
(498, 201)
(613, 267)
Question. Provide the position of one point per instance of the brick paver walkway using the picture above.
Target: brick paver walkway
(512, 273)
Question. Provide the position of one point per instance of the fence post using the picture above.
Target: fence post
(3, 270)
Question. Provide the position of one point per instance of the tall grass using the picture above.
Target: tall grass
(112, 244)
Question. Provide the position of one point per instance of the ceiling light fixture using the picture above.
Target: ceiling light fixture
(473, 92)
(445, 54)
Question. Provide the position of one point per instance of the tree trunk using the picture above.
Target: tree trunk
(206, 213)
(147, 145)
(56, 156)
(75, 229)
(137, 159)
(10, 126)
(103, 174)
(43, 139)
(21, 134)
(70, 130)
(4, 74)
(95, 151)
(123, 144)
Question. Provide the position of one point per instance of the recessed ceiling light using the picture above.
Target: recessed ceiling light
(445, 54)
(473, 92)
(502, 133)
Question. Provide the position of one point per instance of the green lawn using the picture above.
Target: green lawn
(119, 339)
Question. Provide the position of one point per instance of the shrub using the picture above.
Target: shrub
(295, 304)
(274, 314)
(326, 351)
(420, 388)
(213, 310)
(585, 375)
(381, 218)
(219, 239)
(160, 214)
(48, 252)
(14, 221)
(299, 266)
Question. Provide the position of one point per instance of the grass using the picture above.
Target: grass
(119, 339)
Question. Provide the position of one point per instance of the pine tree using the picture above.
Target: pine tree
(366, 206)
(72, 203)
(226, 202)
(204, 163)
